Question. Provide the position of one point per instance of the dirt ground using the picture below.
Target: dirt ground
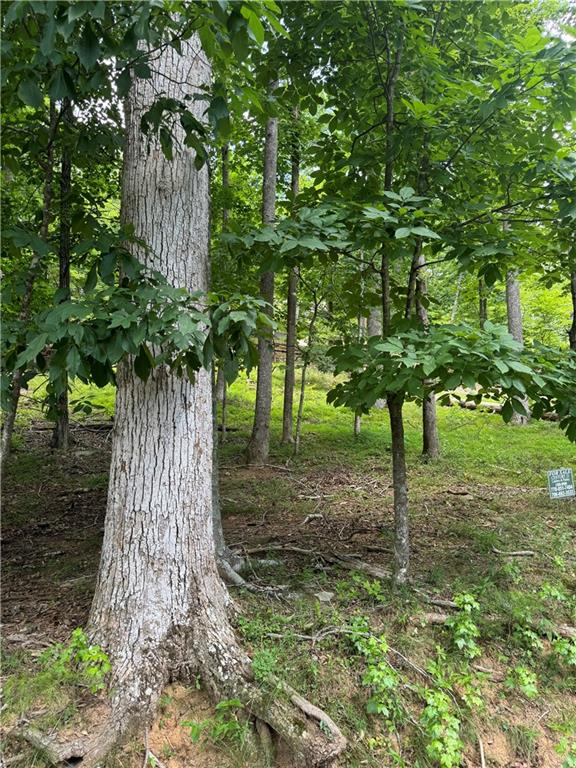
(53, 513)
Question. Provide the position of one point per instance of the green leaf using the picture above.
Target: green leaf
(402, 233)
(255, 26)
(88, 47)
(425, 232)
(142, 365)
(30, 94)
(59, 87)
(123, 82)
(507, 411)
(34, 348)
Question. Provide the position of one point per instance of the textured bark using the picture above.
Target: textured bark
(430, 437)
(514, 310)
(160, 608)
(158, 566)
(572, 331)
(259, 444)
(290, 372)
(61, 433)
(374, 328)
(24, 314)
(291, 311)
(400, 485)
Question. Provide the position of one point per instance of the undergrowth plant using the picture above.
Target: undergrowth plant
(383, 680)
(463, 625)
(62, 670)
(225, 727)
(442, 729)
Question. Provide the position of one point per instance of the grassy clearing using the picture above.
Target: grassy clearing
(408, 687)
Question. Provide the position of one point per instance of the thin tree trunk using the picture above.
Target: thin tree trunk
(400, 485)
(514, 311)
(361, 334)
(374, 328)
(572, 331)
(310, 342)
(290, 372)
(430, 437)
(291, 312)
(456, 302)
(482, 302)
(61, 433)
(24, 314)
(259, 444)
(160, 608)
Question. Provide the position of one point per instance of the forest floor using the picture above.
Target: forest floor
(411, 680)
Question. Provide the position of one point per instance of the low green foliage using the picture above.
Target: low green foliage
(442, 728)
(61, 671)
(522, 678)
(463, 626)
(383, 680)
(225, 727)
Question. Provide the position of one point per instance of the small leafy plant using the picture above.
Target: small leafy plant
(382, 678)
(442, 729)
(463, 625)
(225, 727)
(62, 669)
(523, 679)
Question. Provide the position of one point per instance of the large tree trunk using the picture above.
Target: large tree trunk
(572, 331)
(160, 608)
(514, 310)
(258, 446)
(24, 314)
(61, 433)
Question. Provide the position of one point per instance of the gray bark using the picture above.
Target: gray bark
(61, 433)
(572, 331)
(24, 314)
(514, 311)
(375, 329)
(292, 315)
(158, 567)
(160, 608)
(482, 302)
(259, 444)
(430, 437)
(400, 485)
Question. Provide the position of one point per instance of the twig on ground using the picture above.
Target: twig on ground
(482, 758)
(514, 553)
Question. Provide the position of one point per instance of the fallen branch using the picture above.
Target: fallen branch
(482, 758)
(515, 553)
